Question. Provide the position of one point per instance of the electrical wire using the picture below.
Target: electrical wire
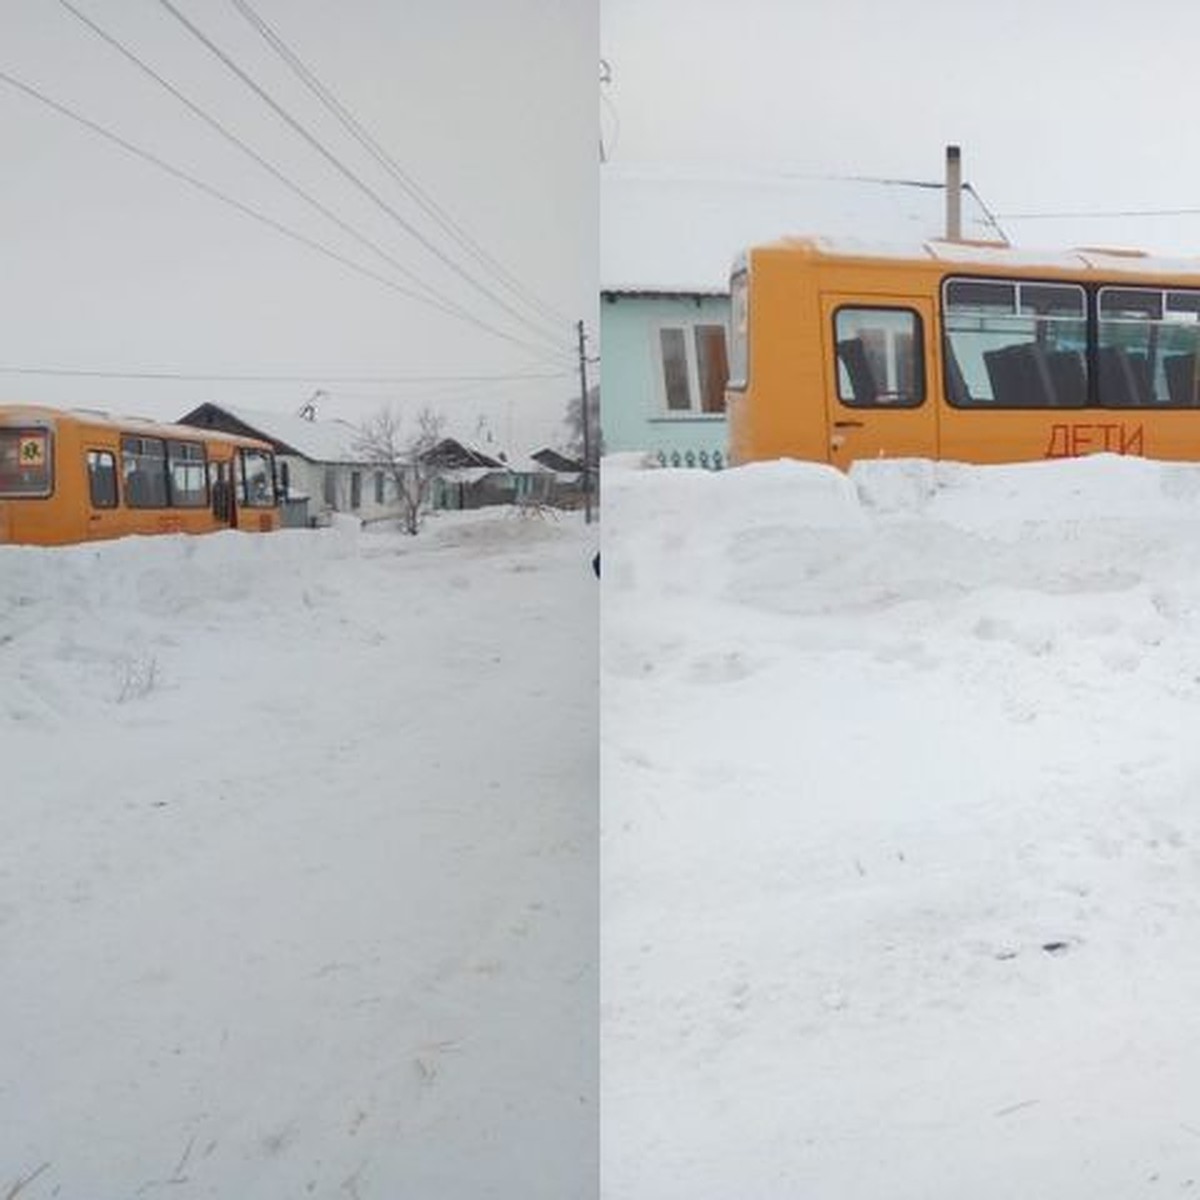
(352, 177)
(377, 151)
(987, 212)
(218, 377)
(263, 218)
(1129, 212)
(606, 78)
(226, 133)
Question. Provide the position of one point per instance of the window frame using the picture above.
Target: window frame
(139, 455)
(242, 478)
(1018, 284)
(737, 343)
(920, 371)
(201, 461)
(688, 328)
(102, 452)
(46, 436)
(1138, 384)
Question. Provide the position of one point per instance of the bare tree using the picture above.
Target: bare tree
(407, 461)
(574, 423)
(586, 443)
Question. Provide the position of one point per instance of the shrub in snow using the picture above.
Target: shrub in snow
(137, 676)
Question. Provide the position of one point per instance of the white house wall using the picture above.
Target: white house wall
(310, 478)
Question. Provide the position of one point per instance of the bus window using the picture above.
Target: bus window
(25, 462)
(879, 357)
(1146, 349)
(143, 471)
(257, 478)
(186, 474)
(102, 478)
(1010, 344)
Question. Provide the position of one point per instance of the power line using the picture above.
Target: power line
(377, 151)
(226, 133)
(255, 214)
(992, 218)
(606, 78)
(350, 175)
(1129, 212)
(218, 377)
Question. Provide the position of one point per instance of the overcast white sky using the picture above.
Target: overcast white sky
(109, 264)
(1059, 105)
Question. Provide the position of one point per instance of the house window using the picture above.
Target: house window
(329, 487)
(355, 490)
(378, 487)
(694, 364)
(712, 366)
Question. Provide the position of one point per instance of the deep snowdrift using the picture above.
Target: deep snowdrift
(297, 889)
(901, 831)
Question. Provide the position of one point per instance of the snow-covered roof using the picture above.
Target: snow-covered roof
(466, 474)
(526, 464)
(554, 460)
(668, 230)
(326, 441)
(332, 440)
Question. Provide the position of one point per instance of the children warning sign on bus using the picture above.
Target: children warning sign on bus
(32, 451)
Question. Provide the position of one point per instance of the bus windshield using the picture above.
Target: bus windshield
(24, 462)
(257, 470)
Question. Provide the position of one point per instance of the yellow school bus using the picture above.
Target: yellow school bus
(72, 476)
(976, 353)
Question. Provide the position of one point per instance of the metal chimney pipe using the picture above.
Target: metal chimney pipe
(953, 194)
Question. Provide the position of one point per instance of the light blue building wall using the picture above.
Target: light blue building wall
(642, 401)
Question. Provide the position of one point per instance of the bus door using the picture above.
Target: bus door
(104, 516)
(220, 490)
(879, 398)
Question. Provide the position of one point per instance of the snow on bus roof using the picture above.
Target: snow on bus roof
(95, 416)
(1107, 261)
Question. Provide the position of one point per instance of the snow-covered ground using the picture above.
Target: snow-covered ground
(298, 865)
(901, 832)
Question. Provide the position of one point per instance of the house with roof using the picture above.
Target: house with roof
(467, 478)
(668, 242)
(324, 469)
(564, 485)
(321, 467)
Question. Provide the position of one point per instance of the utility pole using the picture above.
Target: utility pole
(586, 423)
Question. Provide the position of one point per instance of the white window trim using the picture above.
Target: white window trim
(662, 411)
